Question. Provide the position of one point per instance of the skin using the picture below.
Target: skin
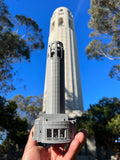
(55, 152)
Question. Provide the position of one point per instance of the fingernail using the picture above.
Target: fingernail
(84, 131)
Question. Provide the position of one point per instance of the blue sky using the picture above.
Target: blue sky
(96, 83)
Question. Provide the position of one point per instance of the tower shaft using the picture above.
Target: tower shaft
(62, 29)
(55, 89)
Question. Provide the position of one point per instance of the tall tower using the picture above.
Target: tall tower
(54, 126)
(62, 29)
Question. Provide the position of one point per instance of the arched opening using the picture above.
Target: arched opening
(53, 25)
(70, 24)
(60, 21)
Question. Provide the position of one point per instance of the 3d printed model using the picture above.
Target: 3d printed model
(62, 29)
(54, 127)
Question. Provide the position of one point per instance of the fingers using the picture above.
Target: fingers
(58, 149)
(61, 146)
(75, 145)
(31, 142)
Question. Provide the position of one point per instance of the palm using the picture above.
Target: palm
(54, 152)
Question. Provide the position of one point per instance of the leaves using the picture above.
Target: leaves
(115, 72)
(114, 125)
(5, 19)
(105, 23)
(12, 50)
(32, 33)
(19, 36)
(14, 128)
(29, 107)
(101, 114)
(29, 22)
(102, 121)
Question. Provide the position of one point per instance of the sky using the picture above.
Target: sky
(95, 80)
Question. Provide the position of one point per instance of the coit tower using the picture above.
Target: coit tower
(62, 29)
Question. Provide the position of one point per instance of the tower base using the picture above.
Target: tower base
(54, 129)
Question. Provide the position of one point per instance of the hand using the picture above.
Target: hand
(55, 152)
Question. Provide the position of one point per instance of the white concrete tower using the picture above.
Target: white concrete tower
(62, 29)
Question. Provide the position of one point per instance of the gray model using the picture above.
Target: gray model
(53, 126)
(62, 29)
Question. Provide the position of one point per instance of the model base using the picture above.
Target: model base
(54, 129)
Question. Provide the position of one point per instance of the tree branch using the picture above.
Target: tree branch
(23, 36)
(112, 9)
(105, 55)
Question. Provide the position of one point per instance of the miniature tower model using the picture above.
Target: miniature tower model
(62, 29)
(53, 126)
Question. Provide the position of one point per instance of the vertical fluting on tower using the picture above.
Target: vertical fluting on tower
(55, 89)
(62, 29)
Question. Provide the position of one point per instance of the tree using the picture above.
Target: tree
(105, 22)
(114, 125)
(101, 115)
(15, 127)
(19, 36)
(85, 122)
(29, 107)
(7, 113)
(114, 128)
(103, 122)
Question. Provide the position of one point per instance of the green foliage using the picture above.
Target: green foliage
(7, 113)
(114, 125)
(115, 71)
(100, 115)
(19, 36)
(85, 122)
(105, 22)
(29, 107)
(4, 146)
(16, 116)
(15, 127)
(102, 121)
(18, 132)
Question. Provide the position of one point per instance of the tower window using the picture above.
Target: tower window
(60, 22)
(62, 133)
(55, 133)
(61, 10)
(53, 25)
(49, 133)
(68, 12)
(70, 24)
(59, 52)
(52, 54)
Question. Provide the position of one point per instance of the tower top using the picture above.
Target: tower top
(61, 18)
(62, 10)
